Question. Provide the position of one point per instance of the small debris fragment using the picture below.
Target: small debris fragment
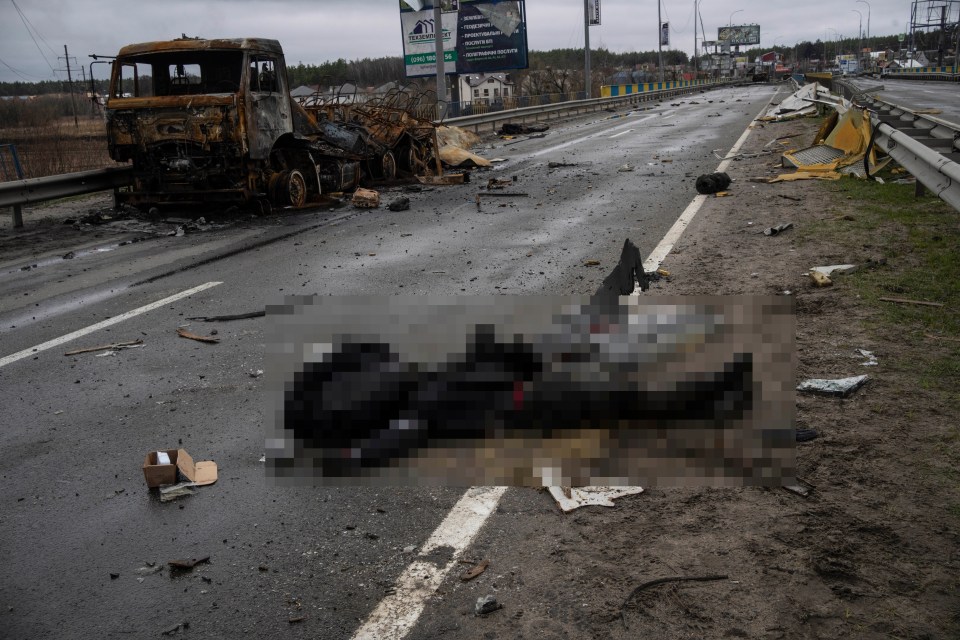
(174, 491)
(625, 168)
(820, 280)
(557, 165)
(918, 302)
(871, 359)
(772, 231)
(70, 255)
(495, 183)
(399, 204)
(838, 387)
(115, 346)
(592, 263)
(188, 564)
(236, 316)
(515, 129)
(806, 435)
(366, 199)
(409, 549)
(183, 333)
(296, 620)
(802, 488)
(487, 604)
(476, 571)
(836, 269)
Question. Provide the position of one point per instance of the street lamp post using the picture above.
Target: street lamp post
(730, 22)
(859, 39)
(868, 16)
(733, 69)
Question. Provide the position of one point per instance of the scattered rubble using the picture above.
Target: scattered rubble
(514, 129)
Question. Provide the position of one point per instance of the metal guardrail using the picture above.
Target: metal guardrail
(572, 107)
(926, 146)
(20, 192)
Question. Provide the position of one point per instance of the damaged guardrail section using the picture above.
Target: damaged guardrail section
(935, 171)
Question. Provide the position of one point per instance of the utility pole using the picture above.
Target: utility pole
(660, 41)
(73, 103)
(696, 67)
(586, 49)
(441, 64)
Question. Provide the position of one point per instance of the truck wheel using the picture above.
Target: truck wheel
(288, 188)
(388, 166)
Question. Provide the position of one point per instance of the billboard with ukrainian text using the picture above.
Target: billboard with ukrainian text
(479, 36)
(739, 34)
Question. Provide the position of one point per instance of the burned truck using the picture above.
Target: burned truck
(207, 121)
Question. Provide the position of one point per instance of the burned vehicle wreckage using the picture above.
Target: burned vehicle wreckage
(206, 121)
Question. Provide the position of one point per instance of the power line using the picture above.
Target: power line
(23, 19)
(35, 30)
(19, 73)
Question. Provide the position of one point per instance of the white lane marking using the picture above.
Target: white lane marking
(662, 250)
(56, 342)
(570, 143)
(397, 613)
(622, 133)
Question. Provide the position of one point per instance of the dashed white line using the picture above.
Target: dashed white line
(622, 133)
(56, 342)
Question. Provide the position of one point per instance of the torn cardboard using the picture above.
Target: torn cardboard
(199, 473)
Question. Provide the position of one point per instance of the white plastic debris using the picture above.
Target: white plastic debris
(839, 269)
(841, 387)
(871, 358)
(570, 498)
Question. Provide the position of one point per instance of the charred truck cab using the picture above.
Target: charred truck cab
(212, 120)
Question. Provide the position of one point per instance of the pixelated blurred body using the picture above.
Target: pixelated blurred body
(602, 378)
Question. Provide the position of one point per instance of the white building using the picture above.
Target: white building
(483, 87)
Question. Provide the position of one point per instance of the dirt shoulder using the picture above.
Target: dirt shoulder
(873, 550)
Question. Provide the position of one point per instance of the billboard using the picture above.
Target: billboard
(479, 36)
(593, 11)
(740, 34)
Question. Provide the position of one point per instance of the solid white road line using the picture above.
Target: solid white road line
(663, 249)
(56, 342)
(622, 133)
(397, 613)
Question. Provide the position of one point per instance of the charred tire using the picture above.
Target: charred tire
(388, 166)
(412, 159)
(288, 188)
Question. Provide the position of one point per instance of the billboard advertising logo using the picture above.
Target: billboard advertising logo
(424, 32)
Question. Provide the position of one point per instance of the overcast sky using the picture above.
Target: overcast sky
(313, 31)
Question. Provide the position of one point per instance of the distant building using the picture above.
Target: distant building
(483, 87)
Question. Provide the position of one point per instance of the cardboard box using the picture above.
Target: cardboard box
(199, 473)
